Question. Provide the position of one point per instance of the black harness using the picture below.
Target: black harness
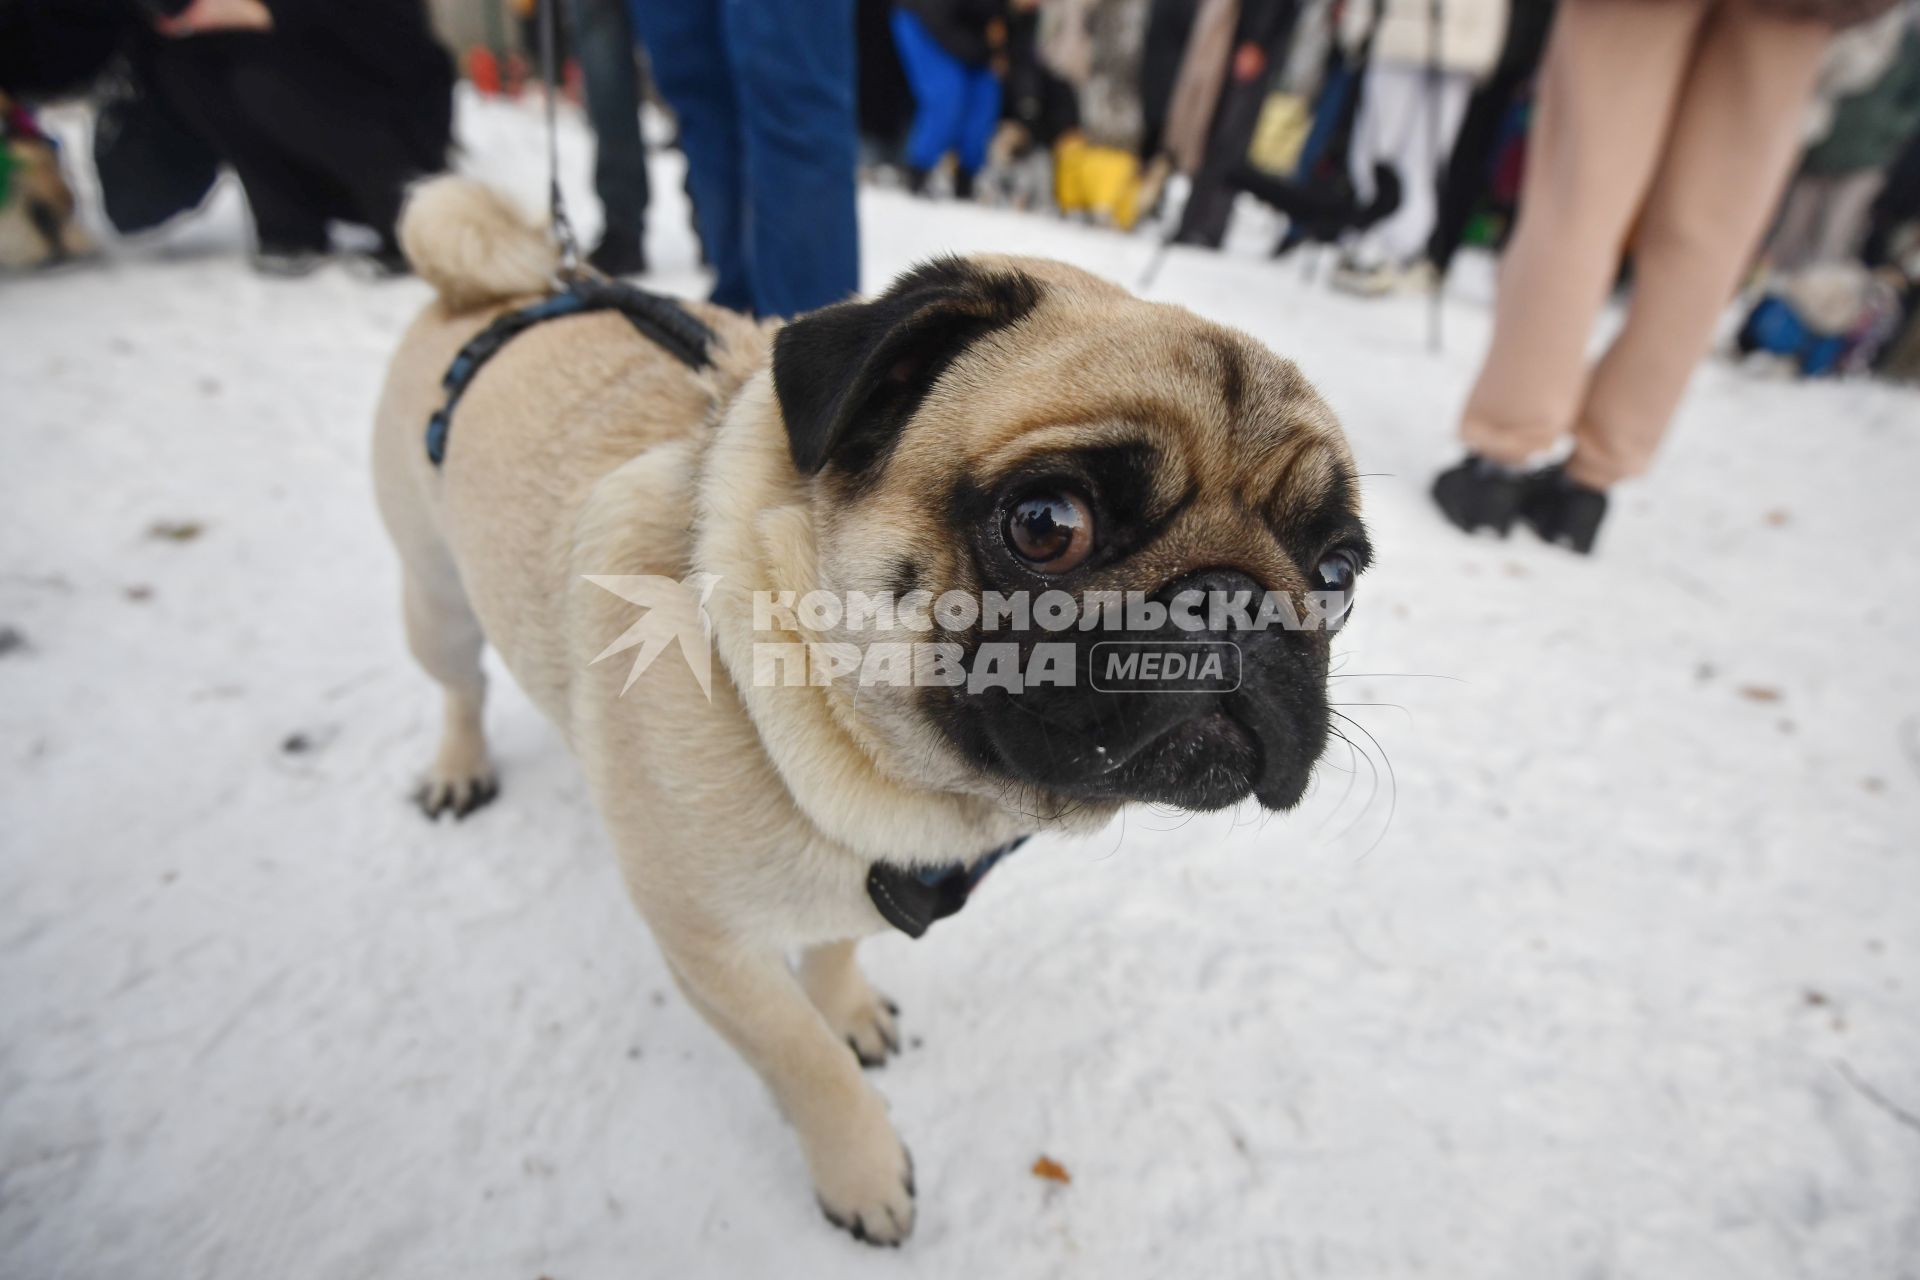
(910, 901)
(660, 319)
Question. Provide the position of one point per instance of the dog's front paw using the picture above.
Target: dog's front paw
(865, 1184)
(458, 792)
(865, 1019)
(870, 1028)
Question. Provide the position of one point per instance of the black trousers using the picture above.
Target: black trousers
(1169, 24)
(312, 136)
(1269, 25)
(1473, 148)
(1897, 204)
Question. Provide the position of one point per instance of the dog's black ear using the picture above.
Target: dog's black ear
(849, 376)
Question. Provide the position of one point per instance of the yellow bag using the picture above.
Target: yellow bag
(1285, 121)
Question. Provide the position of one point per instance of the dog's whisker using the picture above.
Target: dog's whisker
(1354, 756)
(1391, 705)
(1396, 675)
(1393, 781)
(1353, 776)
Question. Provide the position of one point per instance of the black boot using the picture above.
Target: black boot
(917, 180)
(1562, 511)
(1479, 494)
(963, 184)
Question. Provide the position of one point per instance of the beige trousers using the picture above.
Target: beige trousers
(1676, 121)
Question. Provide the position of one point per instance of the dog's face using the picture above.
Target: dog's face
(1145, 483)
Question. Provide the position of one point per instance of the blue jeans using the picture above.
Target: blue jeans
(956, 107)
(603, 41)
(764, 91)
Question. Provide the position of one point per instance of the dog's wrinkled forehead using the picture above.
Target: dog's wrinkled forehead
(1218, 413)
(975, 369)
(972, 377)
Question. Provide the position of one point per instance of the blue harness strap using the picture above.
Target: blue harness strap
(660, 319)
(911, 901)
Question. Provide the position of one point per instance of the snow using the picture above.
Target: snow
(1603, 965)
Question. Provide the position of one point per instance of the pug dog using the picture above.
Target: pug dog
(991, 428)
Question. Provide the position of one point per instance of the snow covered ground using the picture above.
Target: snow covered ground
(1605, 965)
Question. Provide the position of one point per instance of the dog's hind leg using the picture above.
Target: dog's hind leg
(446, 640)
(862, 1016)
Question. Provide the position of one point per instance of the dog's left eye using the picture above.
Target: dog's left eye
(1052, 532)
(1337, 572)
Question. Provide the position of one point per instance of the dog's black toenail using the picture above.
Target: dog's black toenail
(479, 797)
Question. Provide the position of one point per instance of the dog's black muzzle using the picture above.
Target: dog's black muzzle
(1197, 716)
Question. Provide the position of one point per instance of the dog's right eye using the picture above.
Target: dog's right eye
(1337, 570)
(1052, 532)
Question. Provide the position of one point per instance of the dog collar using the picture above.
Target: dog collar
(911, 900)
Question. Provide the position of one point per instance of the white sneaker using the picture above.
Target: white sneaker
(1378, 280)
(286, 264)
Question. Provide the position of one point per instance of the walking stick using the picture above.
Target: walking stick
(1158, 260)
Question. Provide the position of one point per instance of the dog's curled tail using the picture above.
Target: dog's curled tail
(472, 245)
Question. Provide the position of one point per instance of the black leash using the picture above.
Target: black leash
(558, 224)
(577, 290)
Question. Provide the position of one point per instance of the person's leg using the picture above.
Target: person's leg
(195, 77)
(1733, 143)
(1897, 203)
(1467, 166)
(1612, 77)
(699, 79)
(939, 83)
(1425, 127)
(328, 120)
(1790, 246)
(1843, 225)
(980, 120)
(1209, 206)
(795, 66)
(1169, 28)
(1450, 97)
(603, 41)
(1367, 145)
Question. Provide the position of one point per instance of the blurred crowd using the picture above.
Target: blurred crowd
(1690, 151)
(325, 109)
